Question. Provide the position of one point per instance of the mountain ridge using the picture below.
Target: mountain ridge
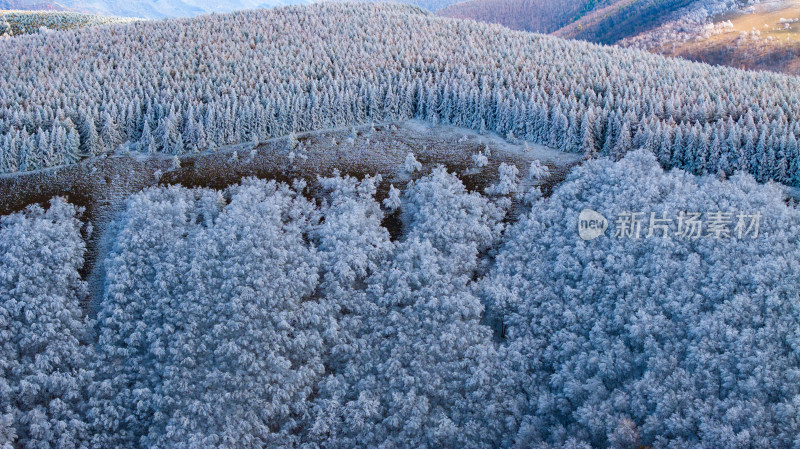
(148, 9)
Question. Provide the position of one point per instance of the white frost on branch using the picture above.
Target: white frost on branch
(479, 160)
(392, 201)
(538, 171)
(411, 164)
(508, 180)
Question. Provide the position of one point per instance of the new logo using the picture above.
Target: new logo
(591, 224)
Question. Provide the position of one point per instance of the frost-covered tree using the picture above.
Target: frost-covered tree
(352, 244)
(7, 432)
(661, 341)
(538, 171)
(109, 134)
(480, 160)
(392, 201)
(89, 139)
(209, 333)
(508, 180)
(421, 370)
(44, 350)
(411, 163)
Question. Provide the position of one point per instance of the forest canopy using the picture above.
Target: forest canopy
(264, 315)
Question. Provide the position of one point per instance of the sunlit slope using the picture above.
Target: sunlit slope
(764, 36)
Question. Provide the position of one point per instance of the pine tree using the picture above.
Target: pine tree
(624, 142)
(109, 134)
(587, 143)
(72, 147)
(148, 141)
(89, 139)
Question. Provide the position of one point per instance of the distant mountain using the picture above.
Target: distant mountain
(542, 16)
(149, 9)
(19, 22)
(31, 5)
(611, 22)
(235, 5)
(159, 9)
(752, 34)
(603, 21)
(747, 34)
(763, 36)
(430, 5)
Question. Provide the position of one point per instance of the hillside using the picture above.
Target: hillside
(139, 94)
(100, 185)
(759, 37)
(622, 19)
(606, 21)
(148, 9)
(541, 16)
(31, 5)
(294, 313)
(14, 23)
(736, 34)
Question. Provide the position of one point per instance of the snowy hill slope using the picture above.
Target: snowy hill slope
(603, 21)
(148, 9)
(540, 16)
(692, 29)
(14, 23)
(764, 36)
(101, 184)
(31, 5)
(152, 87)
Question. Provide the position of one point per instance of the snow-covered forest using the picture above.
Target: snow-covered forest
(428, 306)
(45, 347)
(661, 341)
(429, 5)
(541, 16)
(13, 23)
(267, 316)
(189, 85)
